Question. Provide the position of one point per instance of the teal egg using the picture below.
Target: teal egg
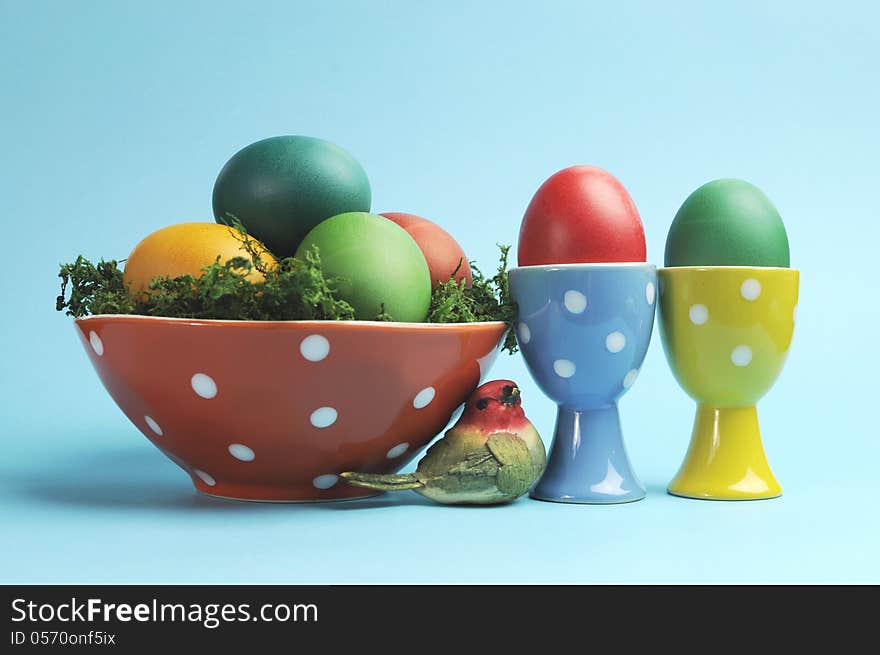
(283, 186)
(727, 223)
(380, 263)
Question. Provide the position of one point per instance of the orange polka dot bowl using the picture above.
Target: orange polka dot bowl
(274, 411)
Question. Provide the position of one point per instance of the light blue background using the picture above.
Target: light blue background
(116, 117)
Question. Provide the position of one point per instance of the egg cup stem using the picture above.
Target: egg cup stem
(725, 459)
(588, 461)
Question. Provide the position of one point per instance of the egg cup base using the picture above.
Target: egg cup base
(618, 500)
(588, 463)
(725, 459)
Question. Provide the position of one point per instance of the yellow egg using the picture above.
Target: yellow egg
(184, 249)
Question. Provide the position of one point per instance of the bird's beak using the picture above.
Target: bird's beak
(510, 395)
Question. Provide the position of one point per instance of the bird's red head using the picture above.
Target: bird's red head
(497, 402)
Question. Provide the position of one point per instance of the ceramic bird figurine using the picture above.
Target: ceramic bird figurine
(492, 455)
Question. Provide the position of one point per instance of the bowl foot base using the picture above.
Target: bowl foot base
(282, 494)
(292, 501)
(725, 459)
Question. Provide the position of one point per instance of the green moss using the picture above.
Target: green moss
(487, 299)
(296, 289)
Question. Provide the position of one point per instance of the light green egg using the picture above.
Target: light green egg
(380, 263)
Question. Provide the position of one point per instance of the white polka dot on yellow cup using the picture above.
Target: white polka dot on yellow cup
(741, 355)
(750, 289)
(698, 314)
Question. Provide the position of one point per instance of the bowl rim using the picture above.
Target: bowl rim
(584, 265)
(706, 267)
(250, 323)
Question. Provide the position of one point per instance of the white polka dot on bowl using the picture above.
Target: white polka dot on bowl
(205, 477)
(398, 450)
(241, 452)
(524, 333)
(323, 417)
(630, 378)
(650, 292)
(151, 423)
(97, 344)
(424, 397)
(314, 347)
(325, 481)
(204, 385)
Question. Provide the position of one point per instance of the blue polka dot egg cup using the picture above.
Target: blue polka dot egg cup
(584, 330)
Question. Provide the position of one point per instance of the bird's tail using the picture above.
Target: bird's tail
(387, 482)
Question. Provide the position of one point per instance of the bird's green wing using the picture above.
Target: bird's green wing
(508, 448)
(473, 473)
(503, 462)
(479, 462)
(517, 473)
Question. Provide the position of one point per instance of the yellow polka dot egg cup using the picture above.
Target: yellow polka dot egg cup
(726, 331)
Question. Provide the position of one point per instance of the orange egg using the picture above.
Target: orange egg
(184, 249)
(441, 250)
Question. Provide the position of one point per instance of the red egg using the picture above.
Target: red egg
(581, 214)
(441, 251)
